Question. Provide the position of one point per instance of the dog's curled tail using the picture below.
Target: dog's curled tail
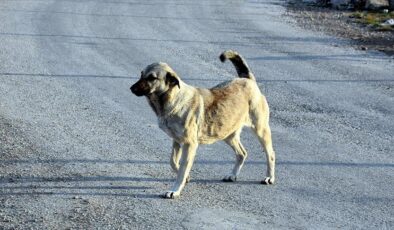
(238, 62)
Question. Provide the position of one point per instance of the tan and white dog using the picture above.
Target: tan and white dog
(193, 116)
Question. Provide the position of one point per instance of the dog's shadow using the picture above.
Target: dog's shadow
(124, 186)
(88, 186)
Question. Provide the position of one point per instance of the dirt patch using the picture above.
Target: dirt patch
(13, 143)
(343, 24)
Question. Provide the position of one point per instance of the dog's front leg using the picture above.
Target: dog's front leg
(175, 157)
(186, 162)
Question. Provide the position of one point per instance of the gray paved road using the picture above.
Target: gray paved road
(78, 150)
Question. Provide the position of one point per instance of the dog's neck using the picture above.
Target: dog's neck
(169, 102)
(157, 102)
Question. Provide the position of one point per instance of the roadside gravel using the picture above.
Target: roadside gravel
(342, 24)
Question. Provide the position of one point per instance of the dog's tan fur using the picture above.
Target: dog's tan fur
(193, 116)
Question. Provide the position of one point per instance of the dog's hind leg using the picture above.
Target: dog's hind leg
(266, 141)
(234, 142)
(175, 157)
(263, 132)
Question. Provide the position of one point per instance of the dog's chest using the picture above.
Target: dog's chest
(172, 127)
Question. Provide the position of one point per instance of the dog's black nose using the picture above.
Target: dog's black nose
(132, 88)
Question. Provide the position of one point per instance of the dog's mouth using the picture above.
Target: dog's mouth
(138, 91)
(138, 94)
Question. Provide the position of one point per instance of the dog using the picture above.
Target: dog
(193, 116)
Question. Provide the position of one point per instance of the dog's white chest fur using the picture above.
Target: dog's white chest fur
(171, 127)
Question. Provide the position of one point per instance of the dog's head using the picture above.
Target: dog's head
(156, 78)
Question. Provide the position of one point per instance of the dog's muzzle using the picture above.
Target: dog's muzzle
(134, 90)
(138, 90)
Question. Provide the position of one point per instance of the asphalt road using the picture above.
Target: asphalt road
(79, 151)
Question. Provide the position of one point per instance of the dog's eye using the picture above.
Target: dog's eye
(150, 78)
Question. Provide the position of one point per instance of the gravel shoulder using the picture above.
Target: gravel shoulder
(79, 151)
(342, 24)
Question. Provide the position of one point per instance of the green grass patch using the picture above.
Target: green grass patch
(374, 19)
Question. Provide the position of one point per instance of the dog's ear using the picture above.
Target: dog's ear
(172, 79)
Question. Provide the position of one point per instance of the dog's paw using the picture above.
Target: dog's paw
(268, 180)
(230, 178)
(171, 195)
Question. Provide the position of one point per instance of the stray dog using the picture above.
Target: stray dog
(193, 116)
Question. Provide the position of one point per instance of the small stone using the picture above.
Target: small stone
(389, 22)
(376, 4)
(363, 48)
